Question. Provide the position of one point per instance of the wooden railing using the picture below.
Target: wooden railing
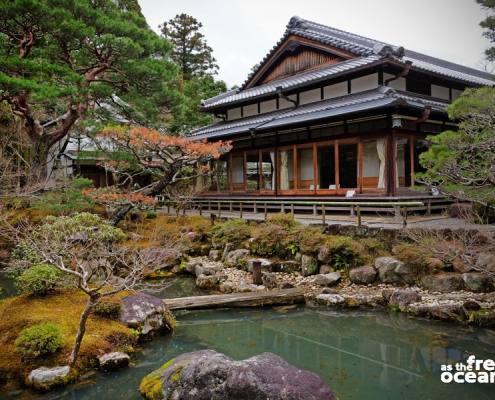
(319, 209)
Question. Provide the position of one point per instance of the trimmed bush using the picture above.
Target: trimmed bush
(308, 239)
(283, 219)
(108, 307)
(413, 255)
(374, 247)
(345, 252)
(271, 240)
(38, 340)
(39, 280)
(233, 231)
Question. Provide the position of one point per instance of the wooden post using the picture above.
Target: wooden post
(323, 213)
(200, 209)
(358, 212)
(315, 210)
(240, 210)
(168, 208)
(282, 207)
(255, 207)
(257, 273)
(209, 206)
(266, 212)
(219, 210)
(292, 210)
(213, 217)
(404, 218)
(428, 207)
(230, 206)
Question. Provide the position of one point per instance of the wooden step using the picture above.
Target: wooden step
(249, 299)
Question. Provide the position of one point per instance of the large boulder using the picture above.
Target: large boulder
(386, 267)
(237, 258)
(330, 299)
(486, 262)
(215, 255)
(444, 283)
(269, 280)
(113, 361)
(208, 282)
(477, 282)
(157, 258)
(324, 254)
(404, 297)
(146, 313)
(45, 378)
(206, 375)
(363, 275)
(309, 265)
(329, 279)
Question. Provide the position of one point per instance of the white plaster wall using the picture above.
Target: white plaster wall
(305, 164)
(234, 113)
(364, 83)
(399, 84)
(250, 109)
(310, 96)
(336, 90)
(268, 106)
(441, 92)
(371, 162)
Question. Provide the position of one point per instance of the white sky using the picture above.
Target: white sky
(241, 32)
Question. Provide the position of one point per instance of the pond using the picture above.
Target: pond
(361, 355)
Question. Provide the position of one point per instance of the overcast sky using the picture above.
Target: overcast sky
(241, 32)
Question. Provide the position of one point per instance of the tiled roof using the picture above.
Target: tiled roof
(290, 82)
(368, 51)
(372, 99)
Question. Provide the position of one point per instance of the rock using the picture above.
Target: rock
(460, 266)
(363, 275)
(236, 258)
(486, 262)
(309, 265)
(160, 258)
(215, 255)
(205, 269)
(447, 312)
(265, 264)
(113, 361)
(444, 283)
(330, 279)
(325, 269)
(386, 267)
(287, 266)
(324, 254)
(206, 374)
(406, 272)
(471, 305)
(226, 287)
(192, 264)
(404, 297)
(269, 280)
(328, 290)
(387, 293)
(434, 264)
(146, 313)
(45, 378)
(477, 282)
(330, 299)
(207, 282)
(286, 285)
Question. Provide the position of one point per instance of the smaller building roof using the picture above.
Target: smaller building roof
(374, 99)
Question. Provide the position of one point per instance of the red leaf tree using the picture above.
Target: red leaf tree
(169, 160)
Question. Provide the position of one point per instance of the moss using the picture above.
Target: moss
(151, 385)
(64, 310)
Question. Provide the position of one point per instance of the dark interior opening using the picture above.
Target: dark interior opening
(326, 166)
(348, 165)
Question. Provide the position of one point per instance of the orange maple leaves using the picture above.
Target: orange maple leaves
(111, 196)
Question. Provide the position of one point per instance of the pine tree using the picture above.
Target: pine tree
(489, 25)
(64, 62)
(190, 49)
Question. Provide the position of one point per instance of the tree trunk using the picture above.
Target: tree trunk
(82, 329)
(120, 214)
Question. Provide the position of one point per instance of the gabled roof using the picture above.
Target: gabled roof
(382, 97)
(366, 50)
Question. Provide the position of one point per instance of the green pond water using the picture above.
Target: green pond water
(361, 355)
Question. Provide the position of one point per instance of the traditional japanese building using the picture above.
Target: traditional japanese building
(330, 113)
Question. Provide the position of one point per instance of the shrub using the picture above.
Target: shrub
(345, 252)
(67, 200)
(308, 239)
(38, 340)
(108, 307)
(39, 280)
(413, 255)
(151, 214)
(270, 240)
(374, 247)
(283, 219)
(233, 231)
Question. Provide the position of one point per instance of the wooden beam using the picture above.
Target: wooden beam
(250, 299)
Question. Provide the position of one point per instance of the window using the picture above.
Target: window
(305, 169)
(267, 170)
(253, 171)
(348, 165)
(403, 160)
(418, 86)
(286, 169)
(326, 167)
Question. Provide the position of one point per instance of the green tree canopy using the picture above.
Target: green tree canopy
(65, 60)
(462, 162)
(489, 25)
(190, 49)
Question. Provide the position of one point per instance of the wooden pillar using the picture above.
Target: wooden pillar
(360, 166)
(337, 164)
(391, 165)
(257, 273)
